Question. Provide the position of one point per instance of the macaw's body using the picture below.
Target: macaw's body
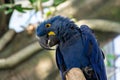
(76, 47)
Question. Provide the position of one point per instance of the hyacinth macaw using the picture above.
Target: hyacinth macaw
(76, 47)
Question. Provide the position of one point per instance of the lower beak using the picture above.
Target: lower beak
(48, 41)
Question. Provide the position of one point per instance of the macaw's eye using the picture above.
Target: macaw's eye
(48, 25)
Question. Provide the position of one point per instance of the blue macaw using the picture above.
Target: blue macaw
(76, 47)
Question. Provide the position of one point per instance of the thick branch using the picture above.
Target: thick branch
(19, 56)
(6, 38)
(101, 25)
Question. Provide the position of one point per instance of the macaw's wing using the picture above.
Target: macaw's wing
(95, 54)
(97, 61)
(60, 63)
(72, 74)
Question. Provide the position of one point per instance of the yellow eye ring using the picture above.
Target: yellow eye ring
(48, 25)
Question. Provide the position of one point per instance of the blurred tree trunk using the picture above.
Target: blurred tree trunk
(4, 19)
(5, 37)
(79, 8)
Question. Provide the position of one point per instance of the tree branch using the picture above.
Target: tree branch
(101, 25)
(19, 56)
(7, 37)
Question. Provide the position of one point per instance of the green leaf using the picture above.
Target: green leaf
(109, 64)
(57, 2)
(111, 56)
(25, 8)
(44, 0)
(48, 13)
(8, 11)
(4, 6)
(32, 1)
(19, 8)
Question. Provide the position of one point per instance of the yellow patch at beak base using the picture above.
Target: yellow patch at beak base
(51, 33)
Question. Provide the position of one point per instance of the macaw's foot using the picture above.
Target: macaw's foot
(75, 74)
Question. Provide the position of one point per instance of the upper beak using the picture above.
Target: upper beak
(49, 40)
(51, 33)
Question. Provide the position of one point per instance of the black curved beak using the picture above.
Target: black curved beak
(48, 41)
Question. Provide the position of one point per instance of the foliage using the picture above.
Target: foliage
(110, 59)
(10, 7)
(32, 1)
(36, 4)
(57, 2)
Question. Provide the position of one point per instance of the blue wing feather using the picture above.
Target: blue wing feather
(96, 56)
(60, 62)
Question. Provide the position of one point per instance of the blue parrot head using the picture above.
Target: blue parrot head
(53, 30)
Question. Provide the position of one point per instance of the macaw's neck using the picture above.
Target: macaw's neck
(68, 33)
(69, 40)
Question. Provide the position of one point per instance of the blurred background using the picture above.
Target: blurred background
(21, 57)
